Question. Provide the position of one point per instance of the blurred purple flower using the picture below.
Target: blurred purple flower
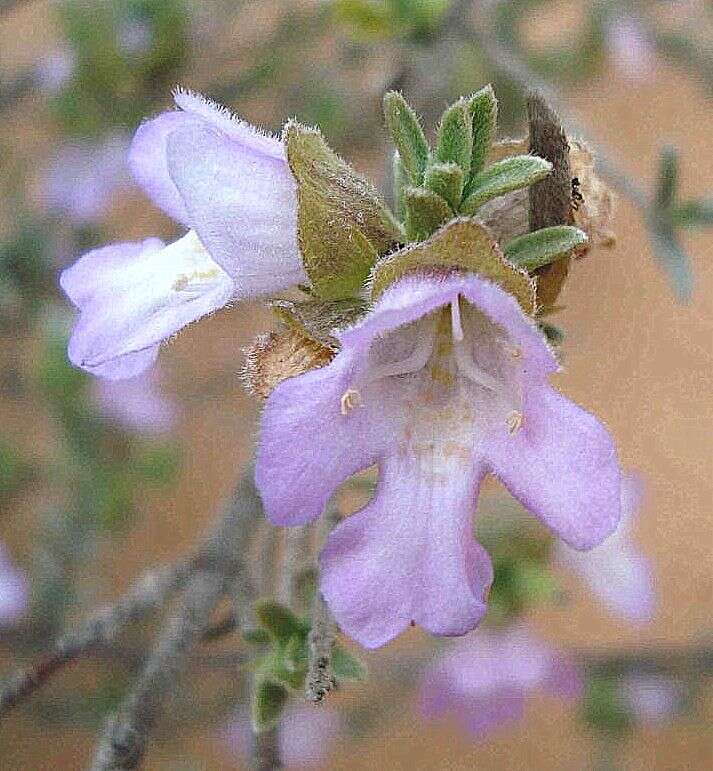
(306, 734)
(134, 37)
(55, 70)
(616, 571)
(484, 679)
(136, 404)
(14, 590)
(651, 698)
(630, 48)
(442, 382)
(82, 179)
(231, 186)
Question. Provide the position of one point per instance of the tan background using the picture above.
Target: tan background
(633, 356)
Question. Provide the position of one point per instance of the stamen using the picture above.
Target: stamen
(467, 366)
(351, 398)
(514, 421)
(456, 325)
(516, 352)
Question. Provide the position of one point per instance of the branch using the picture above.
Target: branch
(146, 595)
(123, 742)
(320, 679)
(503, 58)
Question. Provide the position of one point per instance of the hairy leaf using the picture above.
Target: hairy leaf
(541, 247)
(503, 177)
(408, 136)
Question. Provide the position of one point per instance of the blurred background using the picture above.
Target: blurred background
(100, 481)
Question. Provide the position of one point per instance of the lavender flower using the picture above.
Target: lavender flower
(83, 178)
(55, 69)
(14, 590)
(136, 404)
(442, 382)
(231, 186)
(306, 734)
(617, 572)
(484, 679)
(651, 698)
(630, 48)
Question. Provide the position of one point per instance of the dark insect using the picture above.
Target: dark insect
(577, 197)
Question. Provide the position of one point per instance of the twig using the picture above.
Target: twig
(266, 750)
(147, 594)
(320, 679)
(123, 742)
(504, 59)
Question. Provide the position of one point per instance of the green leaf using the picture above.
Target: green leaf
(484, 111)
(425, 212)
(691, 214)
(554, 334)
(463, 244)
(279, 621)
(455, 136)
(541, 247)
(400, 182)
(667, 184)
(342, 223)
(345, 666)
(408, 136)
(269, 700)
(256, 636)
(671, 256)
(446, 180)
(503, 177)
(603, 708)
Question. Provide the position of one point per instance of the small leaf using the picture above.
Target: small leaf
(400, 182)
(484, 111)
(667, 185)
(671, 257)
(455, 136)
(446, 180)
(256, 636)
(408, 136)
(279, 621)
(691, 214)
(503, 177)
(345, 666)
(425, 212)
(541, 247)
(554, 334)
(269, 700)
(342, 223)
(462, 244)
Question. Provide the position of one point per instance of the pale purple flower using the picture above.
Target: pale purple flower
(651, 698)
(442, 382)
(306, 734)
(630, 48)
(84, 177)
(134, 37)
(484, 679)
(14, 590)
(231, 187)
(55, 70)
(135, 404)
(616, 571)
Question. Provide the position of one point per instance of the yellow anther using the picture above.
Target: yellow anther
(516, 352)
(514, 421)
(351, 398)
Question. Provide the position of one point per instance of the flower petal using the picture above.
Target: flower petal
(149, 166)
(617, 571)
(133, 296)
(408, 556)
(243, 204)
(562, 466)
(307, 448)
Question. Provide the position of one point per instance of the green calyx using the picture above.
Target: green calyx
(343, 226)
(463, 244)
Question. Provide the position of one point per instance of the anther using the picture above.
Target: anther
(351, 398)
(516, 352)
(514, 421)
